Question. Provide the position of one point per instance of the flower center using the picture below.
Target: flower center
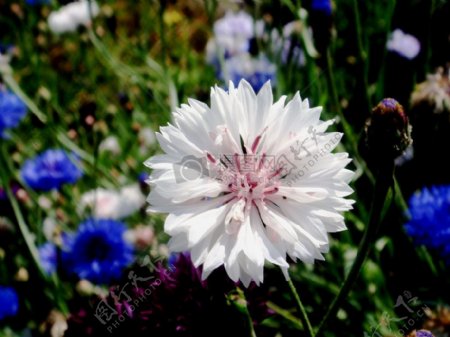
(250, 178)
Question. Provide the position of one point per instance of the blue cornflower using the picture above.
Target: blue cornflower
(98, 252)
(12, 110)
(256, 71)
(424, 333)
(50, 170)
(430, 219)
(9, 302)
(322, 6)
(48, 255)
(37, 2)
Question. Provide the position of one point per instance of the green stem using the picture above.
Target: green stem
(162, 35)
(251, 329)
(26, 234)
(210, 8)
(238, 300)
(12, 84)
(381, 77)
(428, 42)
(362, 54)
(303, 315)
(285, 314)
(348, 131)
(382, 186)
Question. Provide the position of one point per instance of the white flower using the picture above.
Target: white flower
(112, 204)
(248, 180)
(72, 15)
(404, 44)
(147, 139)
(110, 144)
(141, 236)
(50, 228)
(435, 90)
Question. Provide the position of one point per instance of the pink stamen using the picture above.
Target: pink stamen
(277, 172)
(211, 158)
(271, 191)
(257, 140)
(256, 143)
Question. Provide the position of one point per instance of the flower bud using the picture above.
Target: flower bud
(388, 132)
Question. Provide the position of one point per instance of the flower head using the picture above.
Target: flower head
(434, 92)
(403, 44)
(72, 15)
(51, 169)
(9, 302)
(322, 6)
(48, 257)
(248, 180)
(12, 110)
(98, 252)
(438, 320)
(256, 71)
(388, 132)
(171, 301)
(430, 216)
(233, 32)
(37, 2)
(110, 144)
(112, 204)
(420, 333)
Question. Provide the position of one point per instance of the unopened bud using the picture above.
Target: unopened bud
(388, 132)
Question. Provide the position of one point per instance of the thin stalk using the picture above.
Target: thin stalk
(362, 53)
(162, 34)
(23, 227)
(14, 86)
(381, 189)
(285, 314)
(381, 78)
(238, 300)
(303, 315)
(429, 49)
(348, 131)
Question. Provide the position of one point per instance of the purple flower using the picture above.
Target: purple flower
(50, 170)
(405, 45)
(171, 300)
(423, 333)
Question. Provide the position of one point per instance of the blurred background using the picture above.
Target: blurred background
(85, 85)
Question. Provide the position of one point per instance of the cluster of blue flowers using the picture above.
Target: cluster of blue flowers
(430, 219)
(233, 36)
(12, 111)
(97, 252)
(50, 170)
(37, 2)
(323, 6)
(9, 302)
